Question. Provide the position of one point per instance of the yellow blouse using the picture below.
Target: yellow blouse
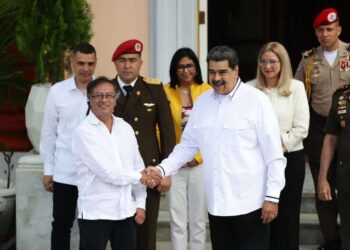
(175, 104)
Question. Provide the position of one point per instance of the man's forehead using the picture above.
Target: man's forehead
(218, 64)
(81, 57)
(127, 56)
(328, 26)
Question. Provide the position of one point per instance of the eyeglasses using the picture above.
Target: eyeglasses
(265, 62)
(189, 67)
(100, 96)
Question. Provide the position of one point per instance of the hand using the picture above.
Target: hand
(191, 164)
(165, 184)
(151, 177)
(154, 173)
(148, 180)
(269, 211)
(285, 150)
(140, 216)
(48, 183)
(324, 190)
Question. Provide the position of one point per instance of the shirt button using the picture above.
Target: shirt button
(153, 160)
(340, 163)
(136, 132)
(136, 119)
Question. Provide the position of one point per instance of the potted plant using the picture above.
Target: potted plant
(13, 88)
(46, 31)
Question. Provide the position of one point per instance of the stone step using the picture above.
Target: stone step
(167, 246)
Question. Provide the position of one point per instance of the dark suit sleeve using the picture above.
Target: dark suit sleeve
(165, 125)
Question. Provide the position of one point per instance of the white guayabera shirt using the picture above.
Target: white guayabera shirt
(108, 170)
(239, 139)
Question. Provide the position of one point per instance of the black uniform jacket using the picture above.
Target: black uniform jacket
(338, 123)
(146, 109)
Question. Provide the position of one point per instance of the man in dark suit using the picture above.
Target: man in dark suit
(143, 104)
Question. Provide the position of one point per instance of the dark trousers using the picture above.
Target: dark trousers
(147, 232)
(344, 212)
(94, 234)
(64, 210)
(327, 210)
(243, 232)
(284, 234)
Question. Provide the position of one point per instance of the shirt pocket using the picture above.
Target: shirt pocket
(203, 130)
(240, 133)
(344, 77)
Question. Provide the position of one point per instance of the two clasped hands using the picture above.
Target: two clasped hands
(151, 177)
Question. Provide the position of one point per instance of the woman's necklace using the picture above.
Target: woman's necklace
(185, 91)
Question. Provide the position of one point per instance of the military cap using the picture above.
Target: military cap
(132, 46)
(325, 17)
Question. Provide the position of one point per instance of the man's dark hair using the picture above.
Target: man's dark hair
(179, 54)
(222, 53)
(94, 83)
(85, 48)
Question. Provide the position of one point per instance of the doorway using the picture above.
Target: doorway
(247, 25)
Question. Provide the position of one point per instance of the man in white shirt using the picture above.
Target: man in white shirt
(65, 109)
(235, 129)
(109, 167)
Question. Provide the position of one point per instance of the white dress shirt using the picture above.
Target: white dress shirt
(122, 84)
(292, 114)
(65, 109)
(108, 170)
(238, 137)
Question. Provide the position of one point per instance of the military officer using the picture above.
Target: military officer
(324, 70)
(338, 137)
(143, 104)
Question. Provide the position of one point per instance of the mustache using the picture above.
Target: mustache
(218, 83)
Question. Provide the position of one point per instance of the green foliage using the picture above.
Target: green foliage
(47, 29)
(10, 78)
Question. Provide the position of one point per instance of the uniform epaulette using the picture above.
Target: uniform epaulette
(348, 47)
(343, 88)
(152, 80)
(308, 53)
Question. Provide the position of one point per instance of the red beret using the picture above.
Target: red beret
(128, 47)
(326, 16)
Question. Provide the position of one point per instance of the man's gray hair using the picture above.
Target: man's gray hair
(222, 53)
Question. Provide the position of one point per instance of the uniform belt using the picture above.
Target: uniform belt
(317, 117)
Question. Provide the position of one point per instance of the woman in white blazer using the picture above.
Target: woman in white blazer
(274, 77)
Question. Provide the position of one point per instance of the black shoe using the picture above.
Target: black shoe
(333, 245)
(322, 247)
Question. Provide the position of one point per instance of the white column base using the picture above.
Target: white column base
(34, 207)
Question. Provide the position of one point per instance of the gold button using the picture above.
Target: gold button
(138, 92)
(136, 119)
(136, 132)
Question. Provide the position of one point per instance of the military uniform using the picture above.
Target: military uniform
(146, 108)
(321, 80)
(338, 123)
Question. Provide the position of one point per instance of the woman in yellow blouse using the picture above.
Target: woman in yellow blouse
(186, 197)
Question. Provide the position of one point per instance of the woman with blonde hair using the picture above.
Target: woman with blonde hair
(274, 77)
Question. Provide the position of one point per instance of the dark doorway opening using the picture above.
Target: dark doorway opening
(247, 25)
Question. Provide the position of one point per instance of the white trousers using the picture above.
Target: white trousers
(186, 200)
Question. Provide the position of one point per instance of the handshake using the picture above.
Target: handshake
(151, 177)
